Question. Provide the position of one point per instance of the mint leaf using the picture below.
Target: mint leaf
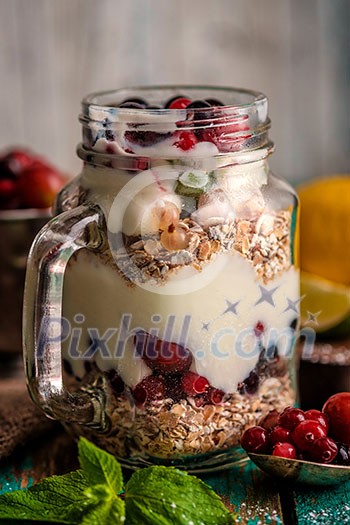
(99, 466)
(107, 509)
(167, 496)
(58, 499)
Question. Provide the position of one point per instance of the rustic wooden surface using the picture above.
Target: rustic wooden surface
(53, 52)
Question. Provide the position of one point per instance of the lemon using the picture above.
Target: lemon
(325, 228)
(325, 305)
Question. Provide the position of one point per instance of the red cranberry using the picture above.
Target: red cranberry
(316, 415)
(270, 420)
(255, 439)
(215, 396)
(179, 103)
(163, 356)
(149, 389)
(193, 384)
(324, 450)
(186, 141)
(337, 410)
(259, 329)
(291, 417)
(279, 435)
(306, 434)
(284, 450)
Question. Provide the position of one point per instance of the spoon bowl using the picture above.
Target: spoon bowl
(297, 470)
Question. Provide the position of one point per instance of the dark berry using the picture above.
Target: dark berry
(306, 434)
(284, 450)
(250, 384)
(131, 105)
(291, 417)
(186, 140)
(343, 456)
(324, 450)
(116, 382)
(337, 410)
(151, 388)
(180, 103)
(270, 420)
(214, 102)
(145, 138)
(279, 435)
(193, 384)
(215, 396)
(109, 135)
(316, 415)
(134, 100)
(255, 439)
(200, 104)
(294, 324)
(171, 100)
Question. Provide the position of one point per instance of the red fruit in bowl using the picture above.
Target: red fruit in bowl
(279, 435)
(14, 163)
(193, 384)
(316, 415)
(255, 440)
(291, 417)
(38, 186)
(270, 420)
(324, 450)
(337, 410)
(284, 450)
(8, 193)
(307, 433)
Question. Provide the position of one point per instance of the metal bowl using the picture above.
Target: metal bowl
(17, 231)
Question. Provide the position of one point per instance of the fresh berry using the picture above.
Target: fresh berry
(337, 410)
(198, 104)
(284, 450)
(131, 105)
(166, 357)
(307, 433)
(343, 456)
(223, 135)
(215, 396)
(193, 384)
(171, 100)
(134, 100)
(180, 103)
(279, 435)
(149, 389)
(291, 417)
(259, 329)
(116, 382)
(186, 140)
(270, 420)
(14, 163)
(255, 439)
(38, 186)
(145, 138)
(214, 102)
(316, 415)
(250, 384)
(8, 192)
(324, 450)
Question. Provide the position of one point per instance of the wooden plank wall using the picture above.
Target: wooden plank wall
(54, 51)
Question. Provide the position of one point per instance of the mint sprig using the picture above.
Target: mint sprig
(93, 496)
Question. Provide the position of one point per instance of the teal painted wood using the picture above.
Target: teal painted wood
(329, 506)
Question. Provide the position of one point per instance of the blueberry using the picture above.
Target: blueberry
(200, 104)
(134, 100)
(116, 382)
(171, 100)
(214, 102)
(294, 324)
(250, 384)
(146, 138)
(131, 105)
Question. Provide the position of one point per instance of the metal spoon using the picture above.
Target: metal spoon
(301, 471)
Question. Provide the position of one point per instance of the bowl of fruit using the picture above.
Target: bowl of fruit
(28, 185)
(311, 447)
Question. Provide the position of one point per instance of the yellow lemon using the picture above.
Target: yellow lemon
(325, 305)
(325, 228)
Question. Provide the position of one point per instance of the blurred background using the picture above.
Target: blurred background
(296, 52)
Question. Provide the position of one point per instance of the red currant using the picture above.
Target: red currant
(270, 420)
(316, 415)
(337, 410)
(306, 434)
(279, 435)
(255, 439)
(324, 450)
(284, 450)
(186, 141)
(291, 417)
(180, 103)
(193, 384)
(216, 396)
(167, 357)
(259, 329)
(149, 389)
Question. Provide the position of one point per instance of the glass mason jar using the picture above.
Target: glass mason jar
(162, 299)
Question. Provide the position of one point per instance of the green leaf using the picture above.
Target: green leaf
(99, 466)
(110, 510)
(167, 496)
(58, 499)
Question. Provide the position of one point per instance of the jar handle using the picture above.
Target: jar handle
(54, 245)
